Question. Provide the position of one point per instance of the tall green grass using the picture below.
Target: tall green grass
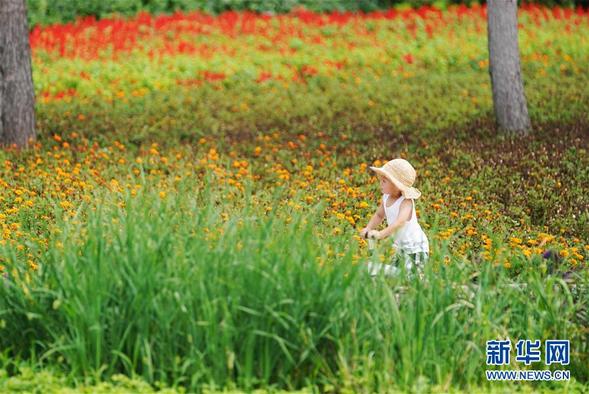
(165, 289)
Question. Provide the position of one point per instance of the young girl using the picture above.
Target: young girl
(398, 207)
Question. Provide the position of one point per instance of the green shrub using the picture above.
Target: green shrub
(44, 11)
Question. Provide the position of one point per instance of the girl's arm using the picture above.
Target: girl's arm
(375, 220)
(403, 217)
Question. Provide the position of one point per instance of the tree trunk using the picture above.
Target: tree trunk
(511, 110)
(17, 96)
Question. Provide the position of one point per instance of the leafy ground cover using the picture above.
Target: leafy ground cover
(194, 198)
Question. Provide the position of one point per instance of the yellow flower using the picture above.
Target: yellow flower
(34, 266)
(488, 243)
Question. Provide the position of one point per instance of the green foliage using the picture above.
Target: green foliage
(45, 11)
(162, 287)
(25, 379)
(165, 289)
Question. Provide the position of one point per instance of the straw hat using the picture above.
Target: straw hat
(402, 174)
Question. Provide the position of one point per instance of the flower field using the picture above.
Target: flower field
(213, 81)
(174, 146)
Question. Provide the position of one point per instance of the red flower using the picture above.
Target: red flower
(264, 76)
(213, 76)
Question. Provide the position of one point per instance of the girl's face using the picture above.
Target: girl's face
(388, 187)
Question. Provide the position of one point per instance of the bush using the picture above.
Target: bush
(44, 12)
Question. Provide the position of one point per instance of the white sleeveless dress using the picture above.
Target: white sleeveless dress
(410, 238)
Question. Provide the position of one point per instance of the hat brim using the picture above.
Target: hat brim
(406, 191)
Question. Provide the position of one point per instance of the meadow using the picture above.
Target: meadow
(189, 215)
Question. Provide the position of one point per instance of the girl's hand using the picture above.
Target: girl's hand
(374, 234)
(364, 232)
